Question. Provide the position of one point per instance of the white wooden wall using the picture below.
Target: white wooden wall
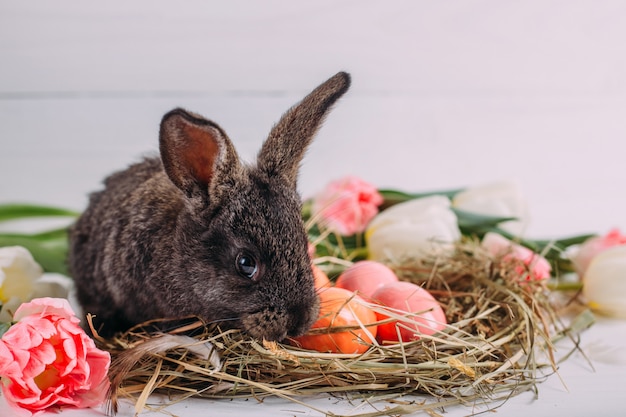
(445, 94)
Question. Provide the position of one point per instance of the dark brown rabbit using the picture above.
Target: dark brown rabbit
(196, 232)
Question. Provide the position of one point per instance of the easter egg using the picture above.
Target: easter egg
(365, 277)
(320, 277)
(338, 308)
(422, 314)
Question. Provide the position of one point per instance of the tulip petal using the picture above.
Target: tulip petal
(501, 199)
(413, 229)
(47, 360)
(604, 283)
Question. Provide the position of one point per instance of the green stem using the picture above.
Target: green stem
(565, 286)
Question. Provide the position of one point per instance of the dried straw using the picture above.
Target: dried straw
(499, 341)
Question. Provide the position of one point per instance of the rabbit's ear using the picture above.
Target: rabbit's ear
(284, 149)
(197, 155)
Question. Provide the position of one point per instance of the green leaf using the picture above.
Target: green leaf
(51, 253)
(4, 327)
(344, 247)
(49, 248)
(400, 195)
(470, 222)
(567, 241)
(60, 233)
(392, 197)
(20, 211)
(306, 209)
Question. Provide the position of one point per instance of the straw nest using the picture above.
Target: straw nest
(499, 338)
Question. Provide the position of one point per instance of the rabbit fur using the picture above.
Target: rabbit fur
(198, 233)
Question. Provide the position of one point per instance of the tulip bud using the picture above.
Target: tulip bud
(412, 229)
(536, 268)
(501, 199)
(18, 272)
(347, 205)
(593, 246)
(22, 279)
(604, 282)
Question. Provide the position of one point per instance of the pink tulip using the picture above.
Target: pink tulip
(346, 206)
(47, 360)
(535, 267)
(593, 246)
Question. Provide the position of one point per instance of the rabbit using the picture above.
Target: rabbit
(198, 233)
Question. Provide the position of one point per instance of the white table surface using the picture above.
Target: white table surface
(444, 95)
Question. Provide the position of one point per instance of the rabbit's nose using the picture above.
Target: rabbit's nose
(303, 316)
(267, 324)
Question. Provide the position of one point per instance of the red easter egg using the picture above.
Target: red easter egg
(365, 277)
(405, 297)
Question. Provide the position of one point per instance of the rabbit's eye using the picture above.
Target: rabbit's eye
(247, 266)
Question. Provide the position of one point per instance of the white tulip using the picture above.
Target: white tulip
(18, 274)
(500, 199)
(604, 283)
(413, 229)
